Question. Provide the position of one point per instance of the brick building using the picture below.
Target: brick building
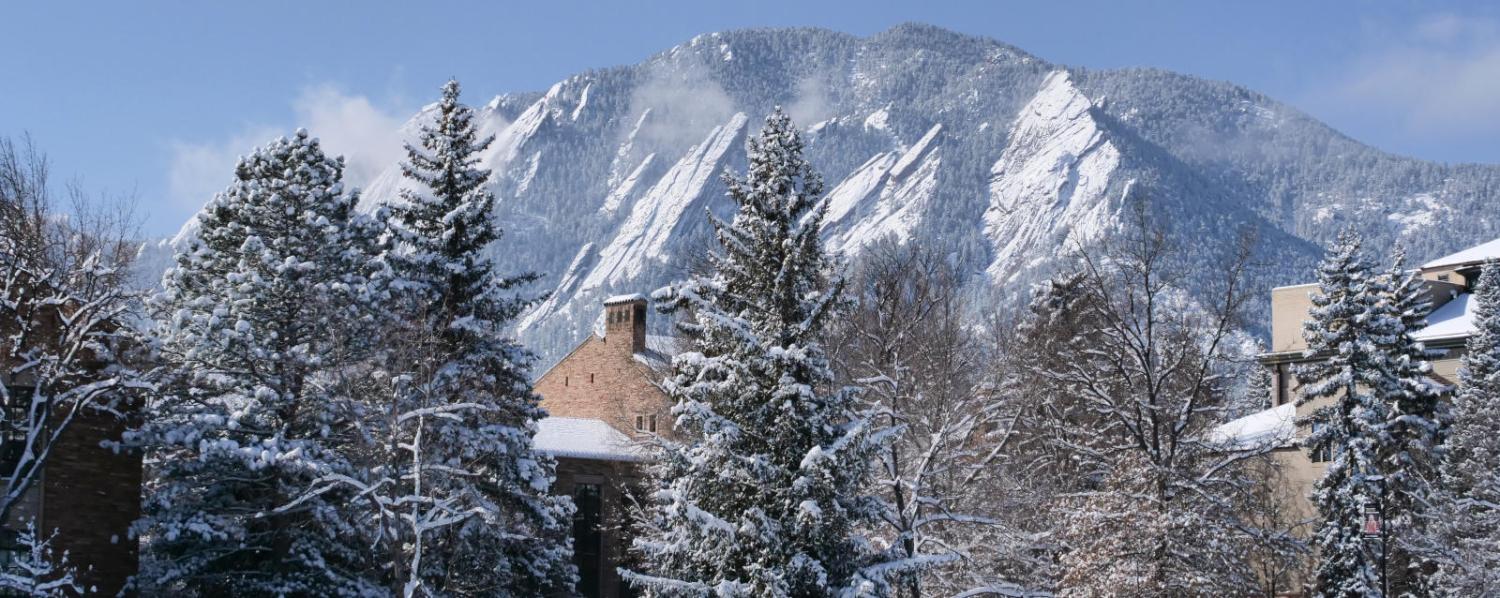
(603, 401)
(87, 494)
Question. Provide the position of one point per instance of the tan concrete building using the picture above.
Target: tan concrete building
(1448, 279)
(603, 404)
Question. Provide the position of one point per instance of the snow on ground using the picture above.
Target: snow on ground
(584, 438)
(1276, 427)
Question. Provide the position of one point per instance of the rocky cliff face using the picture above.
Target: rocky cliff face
(928, 136)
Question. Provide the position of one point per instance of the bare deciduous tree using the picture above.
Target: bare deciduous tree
(908, 340)
(64, 314)
(1120, 382)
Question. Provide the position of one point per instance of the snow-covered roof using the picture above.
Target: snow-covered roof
(1455, 319)
(624, 298)
(1275, 427)
(585, 438)
(1472, 255)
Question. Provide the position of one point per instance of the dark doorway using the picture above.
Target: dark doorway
(588, 538)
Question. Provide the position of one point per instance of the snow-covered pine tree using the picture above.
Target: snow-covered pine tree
(1349, 334)
(1417, 425)
(1465, 522)
(514, 539)
(762, 493)
(256, 322)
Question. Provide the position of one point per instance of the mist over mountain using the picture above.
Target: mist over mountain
(932, 137)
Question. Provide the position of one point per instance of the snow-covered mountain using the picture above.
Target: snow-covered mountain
(937, 138)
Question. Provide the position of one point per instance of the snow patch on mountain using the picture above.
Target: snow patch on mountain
(525, 182)
(1049, 188)
(508, 142)
(1423, 211)
(617, 195)
(645, 235)
(583, 100)
(859, 215)
(566, 286)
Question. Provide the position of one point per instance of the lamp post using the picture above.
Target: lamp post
(1373, 529)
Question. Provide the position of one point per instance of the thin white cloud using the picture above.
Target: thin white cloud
(812, 104)
(366, 134)
(199, 170)
(1439, 76)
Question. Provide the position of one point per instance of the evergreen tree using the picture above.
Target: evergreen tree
(1349, 335)
(1465, 523)
(256, 323)
(1418, 427)
(513, 537)
(761, 494)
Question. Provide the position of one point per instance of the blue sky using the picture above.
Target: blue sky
(156, 99)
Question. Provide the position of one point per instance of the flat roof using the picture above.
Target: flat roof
(1472, 255)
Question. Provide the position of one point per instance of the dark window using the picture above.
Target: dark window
(652, 423)
(1323, 453)
(13, 430)
(591, 378)
(1281, 381)
(565, 380)
(588, 538)
(640, 423)
(11, 551)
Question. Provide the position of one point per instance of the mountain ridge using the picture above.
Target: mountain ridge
(921, 135)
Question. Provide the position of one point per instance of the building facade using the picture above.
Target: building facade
(604, 406)
(1449, 282)
(86, 494)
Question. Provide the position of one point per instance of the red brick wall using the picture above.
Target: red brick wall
(90, 495)
(605, 379)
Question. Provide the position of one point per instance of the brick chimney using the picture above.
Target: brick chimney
(625, 321)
